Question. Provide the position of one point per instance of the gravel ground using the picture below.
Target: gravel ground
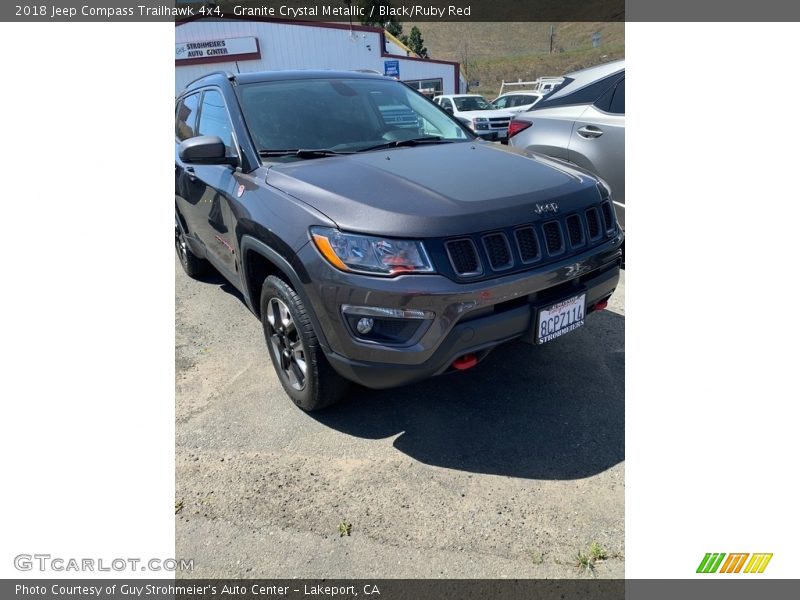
(508, 470)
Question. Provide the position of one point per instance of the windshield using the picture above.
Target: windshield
(340, 116)
(465, 103)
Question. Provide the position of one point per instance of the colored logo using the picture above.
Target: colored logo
(734, 563)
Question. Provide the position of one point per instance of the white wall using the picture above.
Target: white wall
(284, 46)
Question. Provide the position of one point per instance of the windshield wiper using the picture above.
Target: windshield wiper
(428, 139)
(302, 153)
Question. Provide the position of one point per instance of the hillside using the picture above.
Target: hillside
(491, 52)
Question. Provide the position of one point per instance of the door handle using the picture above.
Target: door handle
(190, 173)
(590, 131)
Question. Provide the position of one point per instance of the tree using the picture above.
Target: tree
(416, 43)
(395, 28)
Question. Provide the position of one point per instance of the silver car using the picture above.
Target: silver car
(582, 122)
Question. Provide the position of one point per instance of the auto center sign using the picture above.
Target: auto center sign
(219, 50)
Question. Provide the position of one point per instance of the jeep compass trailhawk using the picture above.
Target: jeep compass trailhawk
(375, 251)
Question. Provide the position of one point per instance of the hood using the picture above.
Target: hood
(434, 190)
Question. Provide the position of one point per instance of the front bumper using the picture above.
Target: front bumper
(469, 318)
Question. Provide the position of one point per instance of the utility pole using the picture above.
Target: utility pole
(552, 33)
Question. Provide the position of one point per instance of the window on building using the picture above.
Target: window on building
(428, 87)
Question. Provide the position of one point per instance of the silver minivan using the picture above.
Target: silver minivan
(582, 122)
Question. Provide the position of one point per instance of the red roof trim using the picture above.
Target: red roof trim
(324, 24)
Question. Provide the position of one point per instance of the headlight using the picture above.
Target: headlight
(480, 123)
(371, 255)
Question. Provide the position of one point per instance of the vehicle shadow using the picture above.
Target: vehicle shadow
(555, 411)
(214, 277)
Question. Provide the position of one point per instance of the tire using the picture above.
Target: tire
(193, 265)
(304, 372)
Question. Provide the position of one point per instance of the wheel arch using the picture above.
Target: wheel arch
(259, 261)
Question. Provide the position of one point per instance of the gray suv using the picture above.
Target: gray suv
(583, 122)
(374, 251)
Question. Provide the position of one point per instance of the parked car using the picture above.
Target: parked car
(373, 252)
(516, 102)
(582, 122)
(477, 113)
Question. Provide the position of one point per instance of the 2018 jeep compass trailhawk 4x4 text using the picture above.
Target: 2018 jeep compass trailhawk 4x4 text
(376, 253)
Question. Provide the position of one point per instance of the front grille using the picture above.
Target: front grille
(463, 256)
(485, 254)
(575, 231)
(608, 215)
(527, 244)
(498, 251)
(593, 220)
(554, 241)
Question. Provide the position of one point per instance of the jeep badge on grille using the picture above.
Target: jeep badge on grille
(543, 209)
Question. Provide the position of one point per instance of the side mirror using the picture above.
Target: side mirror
(205, 149)
(448, 109)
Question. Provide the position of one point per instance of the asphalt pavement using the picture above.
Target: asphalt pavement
(508, 470)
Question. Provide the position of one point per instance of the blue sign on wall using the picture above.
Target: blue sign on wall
(391, 68)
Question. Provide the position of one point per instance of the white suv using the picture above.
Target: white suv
(477, 114)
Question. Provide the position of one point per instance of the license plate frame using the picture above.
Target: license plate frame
(560, 318)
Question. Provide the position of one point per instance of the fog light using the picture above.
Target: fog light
(364, 325)
(386, 325)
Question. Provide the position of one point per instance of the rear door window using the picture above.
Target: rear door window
(593, 93)
(618, 101)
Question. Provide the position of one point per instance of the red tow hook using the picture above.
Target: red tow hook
(601, 306)
(462, 363)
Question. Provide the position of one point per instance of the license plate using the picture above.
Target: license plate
(560, 318)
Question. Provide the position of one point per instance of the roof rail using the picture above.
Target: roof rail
(227, 74)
